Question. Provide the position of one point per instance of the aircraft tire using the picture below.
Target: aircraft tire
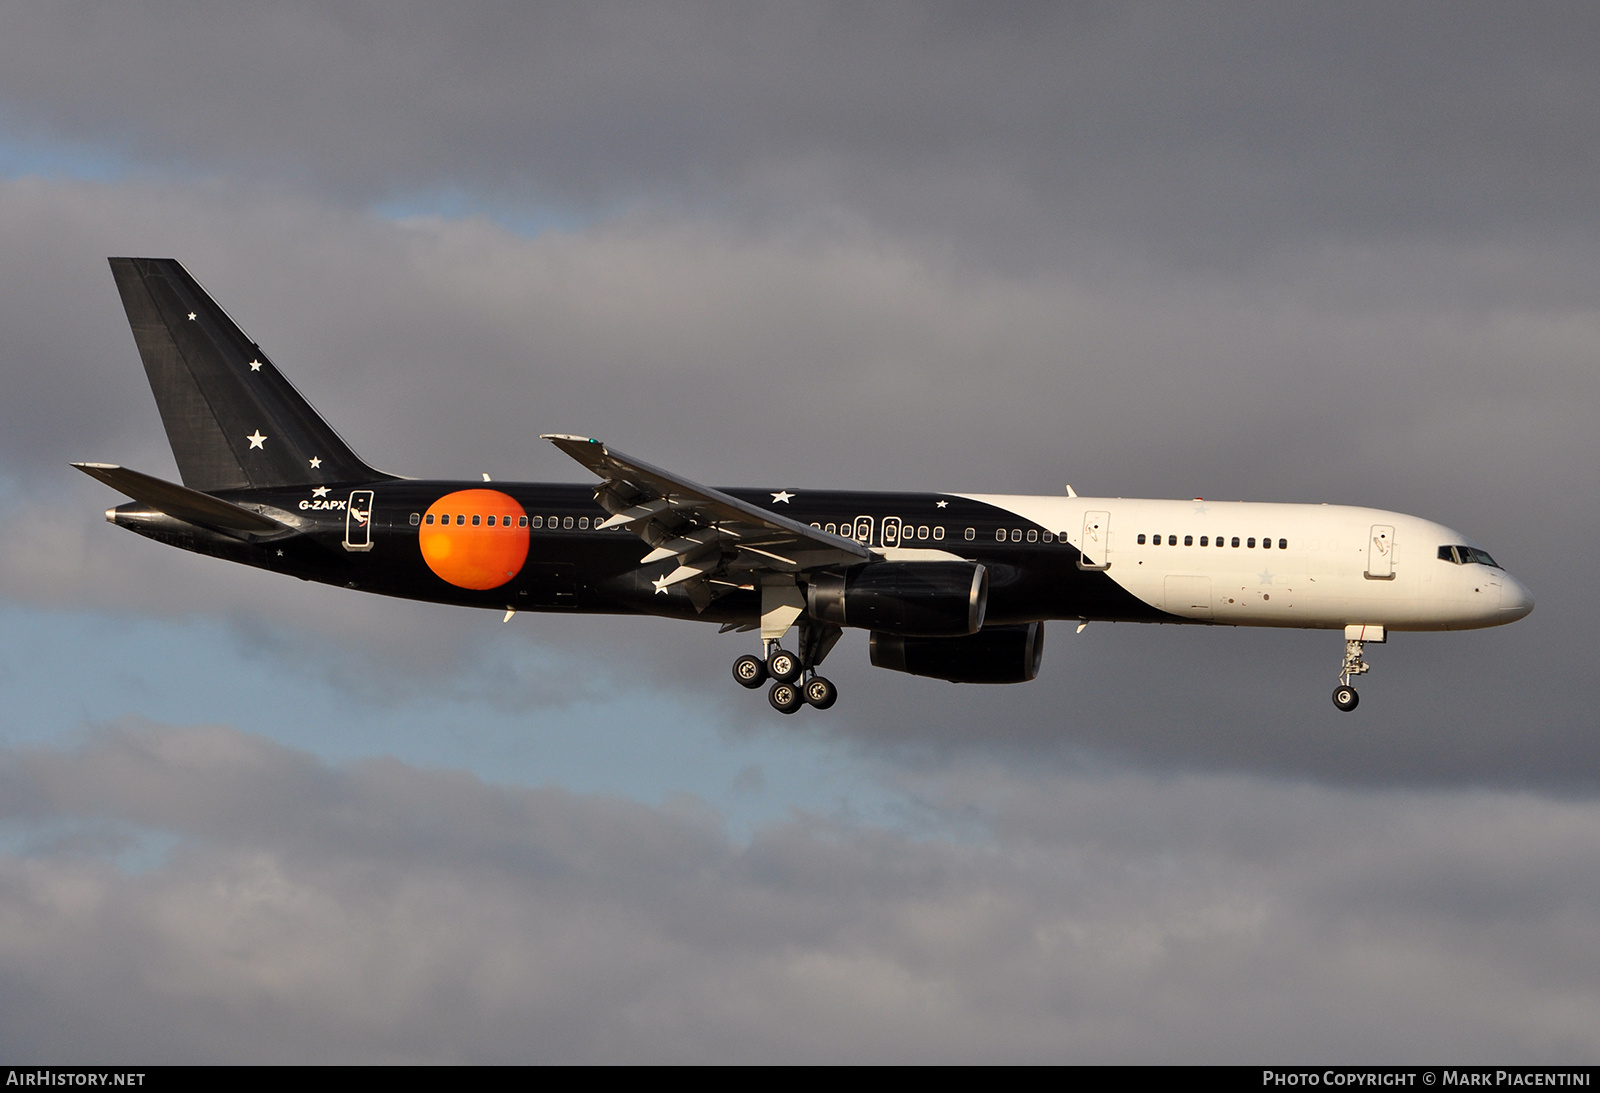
(783, 665)
(1345, 698)
(785, 697)
(821, 693)
(750, 671)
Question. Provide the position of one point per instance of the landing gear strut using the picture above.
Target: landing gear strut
(1355, 640)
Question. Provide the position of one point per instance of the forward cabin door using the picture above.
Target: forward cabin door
(1380, 553)
(1093, 547)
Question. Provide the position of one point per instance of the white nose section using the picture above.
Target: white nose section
(1515, 599)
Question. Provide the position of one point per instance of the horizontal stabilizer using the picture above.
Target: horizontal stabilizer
(180, 501)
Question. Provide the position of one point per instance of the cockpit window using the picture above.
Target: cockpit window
(1466, 555)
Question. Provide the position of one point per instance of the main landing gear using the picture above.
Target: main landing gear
(795, 682)
(1355, 639)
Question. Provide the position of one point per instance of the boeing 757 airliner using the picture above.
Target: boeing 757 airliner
(955, 586)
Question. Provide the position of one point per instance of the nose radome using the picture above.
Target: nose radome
(1515, 599)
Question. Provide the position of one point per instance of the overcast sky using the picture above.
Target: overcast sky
(1267, 252)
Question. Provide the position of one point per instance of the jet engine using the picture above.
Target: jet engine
(926, 599)
(1000, 654)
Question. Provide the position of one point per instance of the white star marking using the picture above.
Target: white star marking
(781, 495)
(191, 316)
(661, 586)
(256, 439)
(280, 553)
(316, 461)
(1266, 576)
(941, 504)
(255, 366)
(1199, 508)
(320, 491)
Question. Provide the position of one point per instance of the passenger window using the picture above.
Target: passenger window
(999, 535)
(538, 521)
(1033, 535)
(831, 529)
(922, 531)
(1048, 536)
(817, 526)
(1235, 540)
(522, 521)
(429, 518)
(461, 519)
(1283, 544)
(566, 523)
(971, 534)
(938, 532)
(1266, 544)
(1155, 540)
(476, 520)
(1205, 540)
(1141, 539)
(1188, 540)
(1251, 543)
(1172, 540)
(491, 521)
(583, 522)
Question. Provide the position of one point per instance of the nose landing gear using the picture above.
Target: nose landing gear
(1355, 639)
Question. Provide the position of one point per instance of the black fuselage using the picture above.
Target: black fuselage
(572, 566)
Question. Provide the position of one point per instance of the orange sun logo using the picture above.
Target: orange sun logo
(474, 538)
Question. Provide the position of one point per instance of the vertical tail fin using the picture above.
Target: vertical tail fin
(233, 420)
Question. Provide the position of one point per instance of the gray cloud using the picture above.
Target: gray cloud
(377, 912)
(1017, 130)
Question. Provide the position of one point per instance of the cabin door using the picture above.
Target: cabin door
(1380, 553)
(1093, 547)
(358, 521)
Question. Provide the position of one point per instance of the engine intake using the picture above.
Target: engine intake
(1000, 654)
(924, 599)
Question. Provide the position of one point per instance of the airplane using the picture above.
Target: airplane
(952, 586)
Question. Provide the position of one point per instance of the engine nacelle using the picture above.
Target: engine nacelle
(926, 599)
(1000, 654)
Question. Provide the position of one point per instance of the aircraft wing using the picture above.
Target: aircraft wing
(718, 541)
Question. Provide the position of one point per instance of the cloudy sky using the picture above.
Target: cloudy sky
(1271, 252)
